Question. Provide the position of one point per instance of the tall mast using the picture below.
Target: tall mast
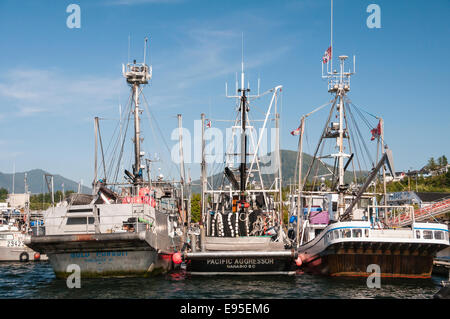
(203, 170)
(180, 132)
(300, 184)
(137, 74)
(339, 83)
(137, 133)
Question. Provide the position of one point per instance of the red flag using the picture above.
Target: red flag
(296, 132)
(208, 124)
(327, 55)
(376, 132)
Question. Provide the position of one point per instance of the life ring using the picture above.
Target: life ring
(24, 257)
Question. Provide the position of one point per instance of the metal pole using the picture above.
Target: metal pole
(180, 132)
(341, 204)
(281, 215)
(203, 166)
(95, 154)
(300, 185)
(137, 137)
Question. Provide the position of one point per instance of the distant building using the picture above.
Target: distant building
(397, 177)
(3, 206)
(421, 199)
(18, 201)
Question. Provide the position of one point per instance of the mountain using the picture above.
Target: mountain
(36, 184)
(288, 168)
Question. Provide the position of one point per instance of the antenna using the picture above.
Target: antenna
(242, 64)
(145, 48)
(331, 37)
(129, 45)
(259, 83)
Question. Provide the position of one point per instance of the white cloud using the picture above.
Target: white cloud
(28, 92)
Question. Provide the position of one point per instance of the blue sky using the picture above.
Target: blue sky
(54, 80)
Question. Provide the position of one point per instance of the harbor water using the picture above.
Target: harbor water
(37, 280)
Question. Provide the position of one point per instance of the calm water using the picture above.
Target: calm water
(37, 280)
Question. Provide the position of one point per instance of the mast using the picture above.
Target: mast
(243, 110)
(137, 74)
(137, 135)
(180, 132)
(300, 185)
(203, 166)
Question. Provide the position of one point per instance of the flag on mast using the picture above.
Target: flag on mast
(327, 55)
(376, 132)
(297, 131)
(208, 123)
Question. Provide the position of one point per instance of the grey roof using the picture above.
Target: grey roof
(431, 197)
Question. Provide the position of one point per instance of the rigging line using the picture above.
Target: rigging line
(315, 178)
(348, 139)
(369, 125)
(351, 102)
(101, 148)
(159, 129)
(107, 149)
(118, 141)
(360, 140)
(320, 141)
(320, 107)
(123, 140)
(369, 156)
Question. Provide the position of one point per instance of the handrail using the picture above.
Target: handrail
(435, 208)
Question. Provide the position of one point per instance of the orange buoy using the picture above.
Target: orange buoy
(176, 258)
(298, 261)
(37, 256)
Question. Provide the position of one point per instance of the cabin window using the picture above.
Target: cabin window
(330, 235)
(336, 234)
(363, 203)
(334, 206)
(346, 233)
(79, 220)
(357, 233)
(427, 234)
(417, 233)
(438, 235)
(446, 235)
(366, 232)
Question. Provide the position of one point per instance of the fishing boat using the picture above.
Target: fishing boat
(128, 228)
(344, 228)
(241, 231)
(14, 227)
(16, 222)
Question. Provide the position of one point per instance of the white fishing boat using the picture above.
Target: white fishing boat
(131, 227)
(241, 231)
(16, 224)
(343, 228)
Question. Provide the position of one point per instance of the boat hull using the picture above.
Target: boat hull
(104, 255)
(14, 254)
(123, 263)
(352, 259)
(241, 263)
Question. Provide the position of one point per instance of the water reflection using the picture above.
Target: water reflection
(37, 280)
